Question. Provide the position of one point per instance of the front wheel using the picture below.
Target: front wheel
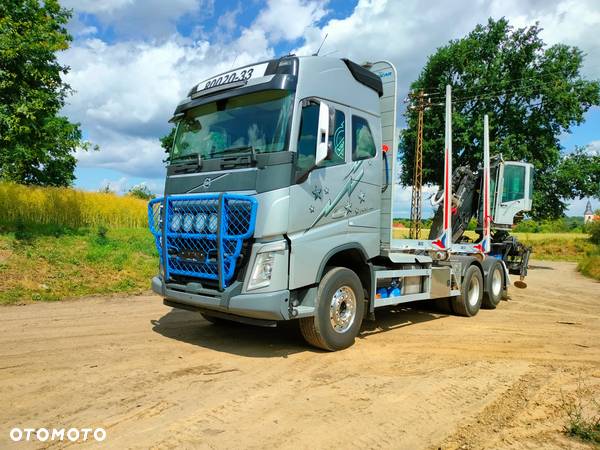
(339, 311)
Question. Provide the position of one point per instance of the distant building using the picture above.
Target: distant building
(588, 215)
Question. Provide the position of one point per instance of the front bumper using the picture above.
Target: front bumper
(266, 306)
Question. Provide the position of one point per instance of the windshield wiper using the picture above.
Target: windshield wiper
(187, 163)
(236, 156)
(194, 156)
(241, 150)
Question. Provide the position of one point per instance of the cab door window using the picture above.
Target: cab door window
(307, 139)
(363, 144)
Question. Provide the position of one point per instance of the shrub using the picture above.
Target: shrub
(141, 191)
(583, 415)
(593, 229)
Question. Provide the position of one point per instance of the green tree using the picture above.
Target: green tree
(166, 141)
(36, 142)
(593, 229)
(578, 174)
(532, 93)
(141, 191)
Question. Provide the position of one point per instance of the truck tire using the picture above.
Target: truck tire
(469, 301)
(494, 283)
(339, 311)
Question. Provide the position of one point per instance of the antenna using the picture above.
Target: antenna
(322, 42)
(234, 60)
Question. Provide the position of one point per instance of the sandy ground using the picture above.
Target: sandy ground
(162, 378)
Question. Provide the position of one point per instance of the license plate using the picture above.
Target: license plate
(245, 74)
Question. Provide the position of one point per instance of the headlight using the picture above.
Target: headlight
(213, 222)
(188, 222)
(176, 222)
(200, 222)
(263, 269)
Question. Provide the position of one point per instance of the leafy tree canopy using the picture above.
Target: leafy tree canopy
(167, 140)
(532, 93)
(141, 191)
(36, 142)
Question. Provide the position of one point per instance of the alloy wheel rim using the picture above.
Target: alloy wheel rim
(342, 309)
(496, 283)
(473, 291)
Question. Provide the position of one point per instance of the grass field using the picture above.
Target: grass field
(590, 266)
(67, 207)
(49, 264)
(54, 266)
(60, 243)
(548, 246)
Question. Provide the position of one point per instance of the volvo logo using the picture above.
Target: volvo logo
(207, 183)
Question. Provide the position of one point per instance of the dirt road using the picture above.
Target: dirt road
(156, 377)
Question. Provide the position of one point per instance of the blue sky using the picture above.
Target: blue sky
(133, 60)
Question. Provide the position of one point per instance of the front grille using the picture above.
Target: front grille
(203, 234)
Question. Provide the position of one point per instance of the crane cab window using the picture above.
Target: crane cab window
(514, 183)
(363, 144)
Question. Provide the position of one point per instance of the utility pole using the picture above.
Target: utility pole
(416, 201)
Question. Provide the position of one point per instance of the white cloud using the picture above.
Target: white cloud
(147, 18)
(403, 198)
(571, 22)
(288, 19)
(228, 21)
(134, 156)
(95, 7)
(406, 34)
(126, 91)
(593, 148)
(119, 186)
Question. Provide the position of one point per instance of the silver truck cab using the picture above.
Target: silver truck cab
(275, 174)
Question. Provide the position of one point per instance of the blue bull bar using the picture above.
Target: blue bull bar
(202, 235)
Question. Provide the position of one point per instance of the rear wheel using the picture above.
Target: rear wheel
(469, 301)
(339, 311)
(494, 286)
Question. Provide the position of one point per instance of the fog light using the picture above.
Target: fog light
(200, 222)
(213, 222)
(176, 222)
(188, 222)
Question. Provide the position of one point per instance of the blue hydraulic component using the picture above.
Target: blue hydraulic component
(382, 292)
(394, 289)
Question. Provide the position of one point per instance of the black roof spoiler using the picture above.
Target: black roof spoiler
(365, 76)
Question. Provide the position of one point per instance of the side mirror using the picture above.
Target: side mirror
(322, 152)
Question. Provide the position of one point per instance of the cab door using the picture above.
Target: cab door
(320, 206)
(317, 197)
(514, 194)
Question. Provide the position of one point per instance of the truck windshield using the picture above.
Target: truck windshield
(258, 121)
